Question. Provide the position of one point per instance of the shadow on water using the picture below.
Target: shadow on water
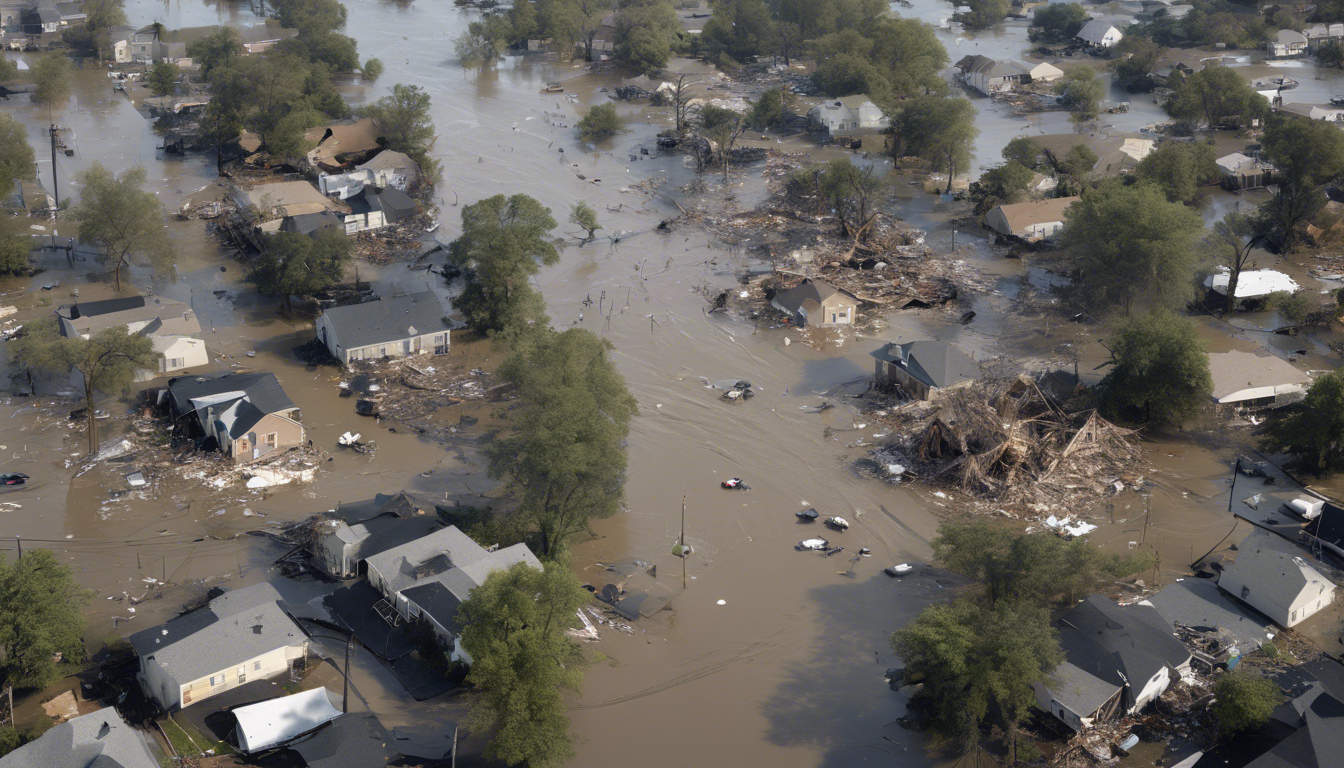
(855, 725)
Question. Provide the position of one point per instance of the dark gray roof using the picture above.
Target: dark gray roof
(99, 739)
(936, 363)
(104, 307)
(236, 626)
(261, 394)
(387, 320)
(1201, 605)
(1080, 691)
(311, 223)
(797, 297)
(439, 602)
(1275, 568)
(395, 204)
(349, 741)
(1117, 643)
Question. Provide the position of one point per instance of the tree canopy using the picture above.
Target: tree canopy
(582, 215)
(1159, 370)
(163, 78)
(404, 119)
(1180, 168)
(295, 264)
(17, 161)
(1244, 701)
(40, 616)
(1057, 22)
(124, 219)
(855, 192)
(1307, 154)
(1216, 96)
(646, 34)
(1312, 431)
(52, 75)
(983, 14)
(1080, 90)
(601, 122)
(940, 130)
(504, 242)
(218, 49)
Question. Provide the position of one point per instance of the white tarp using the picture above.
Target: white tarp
(268, 723)
(1252, 283)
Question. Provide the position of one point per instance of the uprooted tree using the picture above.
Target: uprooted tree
(855, 192)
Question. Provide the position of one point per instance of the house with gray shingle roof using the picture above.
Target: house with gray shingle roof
(813, 302)
(100, 739)
(923, 367)
(401, 326)
(1272, 576)
(244, 634)
(245, 415)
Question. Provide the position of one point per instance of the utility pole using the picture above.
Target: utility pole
(55, 185)
(345, 692)
(683, 541)
(19, 541)
(1235, 471)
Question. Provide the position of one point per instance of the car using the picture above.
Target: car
(13, 478)
(813, 545)
(837, 523)
(899, 570)
(808, 515)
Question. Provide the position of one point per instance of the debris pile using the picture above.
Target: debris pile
(412, 392)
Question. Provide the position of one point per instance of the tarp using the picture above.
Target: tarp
(269, 723)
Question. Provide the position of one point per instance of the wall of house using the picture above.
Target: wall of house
(426, 343)
(1232, 584)
(288, 433)
(334, 554)
(263, 667)
(837, 311)
(362, 222)
(892, 373)
(1151, 690)
(1308, 603)
(186, 352)
(1047, 702)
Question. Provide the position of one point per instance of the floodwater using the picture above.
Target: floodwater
(769, 655)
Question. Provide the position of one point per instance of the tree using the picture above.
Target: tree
(681, 96)
(645, 33)
(522, 661)
(847, 74)
(1057, 22)
(1025, 152)
(482, 44)
(163, 78)
(1128, 242)
(39, 618)
(601, 122)
(1006, 183)
(122, 218)
(52, 75)
(294, 264)
(17, 161)
(566, 456)
(768, 110)
(107, 362)
(15, 251)
(1216, 96)
(1295, 308)
(722, 127)
(288, 138)
(1243, 701)
(856, 193)
(976, 660)
(910, 54)
(1080, 90)
(1180, 168)
(310, 16)
(584, 217)
(940, 130)
(1312, 431)
(1330, 54)
(261, 90)
(218, 49)
(1159, 370)
(1231, 241)
(983, 14)
(1136, 57)
(1307, 154)
(373, 68)
(102, 16)
(503, 243)
(404, 120)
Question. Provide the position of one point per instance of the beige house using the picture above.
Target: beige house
(813, 302)
(1245, 379)
(240, 636)
(1033, 221)
(273, 202)
(247, 415)
(401, 326)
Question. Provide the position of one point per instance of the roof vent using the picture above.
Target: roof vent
(256, 629)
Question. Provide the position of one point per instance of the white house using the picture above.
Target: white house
(1323, 33)
(373, 208)
(848, 115)
(1271, 576)
(1243, 172)
(1248, 379)
(239, 636)
(167, 323)
(1287, 43)
(1251, 283)
(1099, 33)
(1032, 221)
(1045, 72)
(276, 722)
(385, 169)
(401, 326)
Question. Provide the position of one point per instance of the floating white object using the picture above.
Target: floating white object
(723, 602)
(895, 470)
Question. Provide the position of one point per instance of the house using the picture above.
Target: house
(244, 634)
(1200, 604)
(990, 77)
(1271, 576)
(144, 44)
(312, 223)
(273, 202)
(813, 302)
(401, 326)
(1244, 172)
(1287, 43)
(339, 144)
(41, 19)
(1246, 379)
(386, 169)
(169, 325)
(1044, 72)
(1327, 112)
(923, 367)
(1099, 34)
(1305, 732)
(351, 533)
(154, 43)
(375, 208)
(247, 415)
(349, 741)
(100, 739)
(1118, 659)
(848, 115)
(279, 721)
(71, 12)
(1323, 33)
(1033, 221)
(1252, 284)
(431, 576)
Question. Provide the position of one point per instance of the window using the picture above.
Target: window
(175, 362)
(256, 666)
(186, 697)
(270, 440)
(216, 680)
(1293, 617)
(242, 675)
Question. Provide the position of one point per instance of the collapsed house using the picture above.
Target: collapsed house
(246, 416)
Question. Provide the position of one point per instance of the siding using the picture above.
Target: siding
(262, 667)
(289, 433)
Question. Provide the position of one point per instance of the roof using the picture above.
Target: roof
(239, 400)
(1202, 606)
(395, 204)
(991, 68)
(1307, 732)
(1290, 37)
(100, 739)
(1117, 643)
(1240, 163)
(1022, 215)
(1273, 568)
(1235, 371)
(1252, 282)
(935, 363)
(389, 160)
(233, 628)
(387, 320)
(349, 741)
(438, 601)
(1095, 30)
(166, 316)
(311, 223)
(814, 291)
(340, 139)
(268, 723)
(288, 198)
(1080, 691)
(249, 34)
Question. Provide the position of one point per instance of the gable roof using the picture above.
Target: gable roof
(1202, 606)
(807, 295)
(1080, 691)
(288, 198)
(168, 317)
(387, 320)
(390, 160)
(438, 601)
(237, 626)
(1274, 568)
(100, 739)
(1235, 371)
(340, 139)
(311, 223)
(395, 204)
(1119, 644)
(1290, 37)
(935, 363)
(1019, 216)
(239, 400)
(349, 741)
(1095, 31)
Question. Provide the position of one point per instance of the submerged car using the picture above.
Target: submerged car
(813, 544)
(808, 515)
(837, 523)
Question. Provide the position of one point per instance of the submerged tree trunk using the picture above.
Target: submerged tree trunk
(93, 422)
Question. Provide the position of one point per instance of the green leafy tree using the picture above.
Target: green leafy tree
(768, 110)
(260, 90)
(163, 78)
(1136, 56)
(1307, 154)
(405, 121)
(1312, 431)
(601, 122)
(524, 22)
(584, 217)
(1080, 91)
(102, 16)
(373, 68)
(482, 44)
(504, 242)
(855, 192)
(846, 74)
(1330, 54)
(722, 127)
(288, 139)
(646, 31)
(310, 16)
(937, 129)
(17, 161)
(1005, 184)
(1216, 96)
(39, 618)
(1159, 370)
(1231, 242)
(1243, 701)
(1127, 242)
(909, 53)
(984, 14)
(1025, 152)
(739, 28)
(122, 218)
(10, 740)
(522, 662)
(1180, 168)
(294, 264)
(15, 252)
(566, 456)
(107, 362)
(218, 49)
(1296, 308)
(52, 75)
(1057, 22)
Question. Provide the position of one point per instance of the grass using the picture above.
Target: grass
(186, 740)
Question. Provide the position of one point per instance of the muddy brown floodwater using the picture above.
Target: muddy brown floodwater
(769, 655)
